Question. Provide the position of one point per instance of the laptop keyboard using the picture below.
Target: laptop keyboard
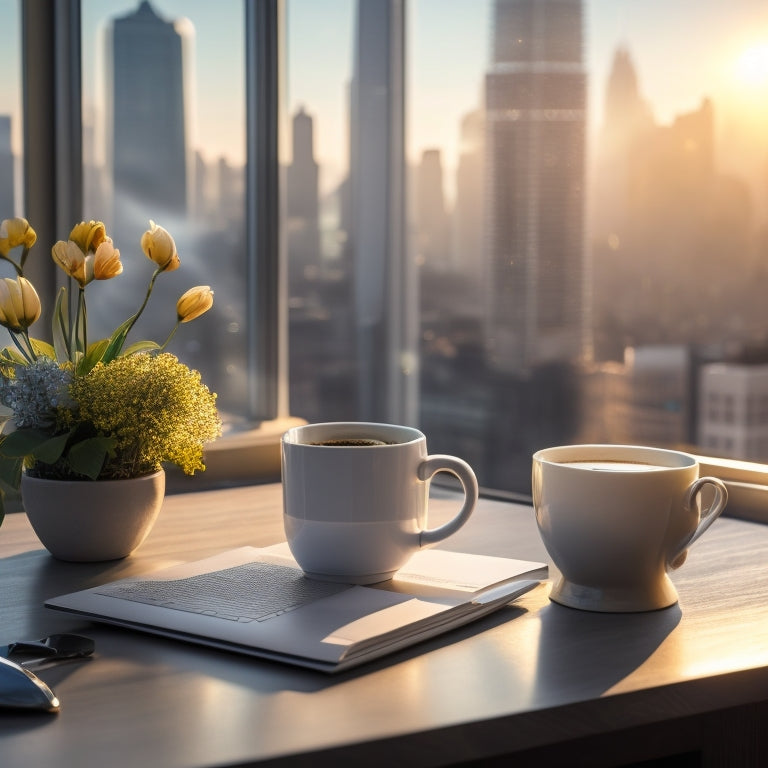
(244, 593)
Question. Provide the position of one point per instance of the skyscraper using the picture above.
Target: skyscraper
(432, 219)
(536, 124)
(302, 191)
(627, 131)
(148, 129)
(469, 217)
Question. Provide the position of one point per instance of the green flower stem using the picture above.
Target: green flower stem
(19, 269)
(26, 349)
(144, 303)
(28, 342)
(170, 336)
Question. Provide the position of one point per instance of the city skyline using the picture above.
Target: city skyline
(676, 265)
(721, 40)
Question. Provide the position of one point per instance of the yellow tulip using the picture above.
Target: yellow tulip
(101, 265)
(159, 246)
(15, 232)
(195, 302)
(106, 261)
(71, 259)
(88, 235)
(19, 304)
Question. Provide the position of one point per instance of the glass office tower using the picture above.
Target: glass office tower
(149, 148)
(536, 145)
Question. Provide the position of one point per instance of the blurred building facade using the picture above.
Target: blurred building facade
(733, 411)
(148, 117)
(535, 99)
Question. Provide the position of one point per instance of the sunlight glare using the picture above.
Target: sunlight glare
(752, 66)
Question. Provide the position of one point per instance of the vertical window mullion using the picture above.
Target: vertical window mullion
(266, 283)
(385, 287)
(42, 175)
(69, 123)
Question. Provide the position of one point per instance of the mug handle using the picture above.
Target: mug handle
(458, 467)
(708, 516)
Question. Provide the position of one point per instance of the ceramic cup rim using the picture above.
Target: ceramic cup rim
(661, 460)
(301, 436)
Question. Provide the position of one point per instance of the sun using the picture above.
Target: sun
(752, 66)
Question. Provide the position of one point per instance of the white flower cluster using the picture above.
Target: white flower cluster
(35, 393)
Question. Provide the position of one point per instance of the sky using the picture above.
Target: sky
(684, 51)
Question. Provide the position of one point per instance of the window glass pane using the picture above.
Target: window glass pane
(619, 250)
(164, 140)
(588, 212)
(319, 260)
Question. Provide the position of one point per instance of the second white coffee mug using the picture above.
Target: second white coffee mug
(616, 518)
(355, 498)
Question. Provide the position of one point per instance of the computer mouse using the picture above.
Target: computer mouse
(22, 689)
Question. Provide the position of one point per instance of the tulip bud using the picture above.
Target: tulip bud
(19, 304)
(15, 232)
(71, 259)
(106, 261)
(88, 235)
(195, 302)
(159, 246)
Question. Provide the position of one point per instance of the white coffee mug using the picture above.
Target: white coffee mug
(355, 498)
(616, 518)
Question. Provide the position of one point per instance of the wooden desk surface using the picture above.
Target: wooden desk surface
(533, 680)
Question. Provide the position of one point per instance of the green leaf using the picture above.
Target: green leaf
(116, 341)
(6, 414)
(81, 320)
(87, 457)
(94, 355)
(23, 442)
(60, 326)
(10, 471)
(51, 450)
(43, 348)
(140, 346)
(12, 356)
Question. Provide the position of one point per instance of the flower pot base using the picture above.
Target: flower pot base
(91, 521)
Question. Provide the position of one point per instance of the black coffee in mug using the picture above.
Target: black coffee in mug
(353, 442)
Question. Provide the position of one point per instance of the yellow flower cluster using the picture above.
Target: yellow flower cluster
(156, 408)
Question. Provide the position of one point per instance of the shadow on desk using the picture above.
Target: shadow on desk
(263, 676)
(574, 646)
(50, 577)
